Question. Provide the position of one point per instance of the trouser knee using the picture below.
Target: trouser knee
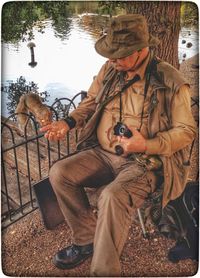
(56, 174)
(115, 199)
(62, 175)
(108, 195)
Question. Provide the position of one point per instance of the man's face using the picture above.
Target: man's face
(126, 63)
(130, 62)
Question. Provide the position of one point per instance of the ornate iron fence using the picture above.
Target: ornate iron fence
(26, 157)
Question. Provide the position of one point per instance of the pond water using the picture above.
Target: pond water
(65, 66)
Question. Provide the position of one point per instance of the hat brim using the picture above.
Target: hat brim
(106, 51)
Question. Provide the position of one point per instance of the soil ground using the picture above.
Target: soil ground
(28, 247)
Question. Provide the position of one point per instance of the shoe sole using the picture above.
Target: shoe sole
(70, 266)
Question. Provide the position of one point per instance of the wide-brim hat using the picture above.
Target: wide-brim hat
(125, 34)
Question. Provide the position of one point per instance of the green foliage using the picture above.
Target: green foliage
(79, 7)
(19, 18)
(189, 14)
(16, 90)
(189, 10)
(15, 21)
(111, 7)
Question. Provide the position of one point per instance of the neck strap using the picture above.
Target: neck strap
(123, 88)
(150, 68)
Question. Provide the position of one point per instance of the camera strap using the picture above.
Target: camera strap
(149, 70)
(151, 66)
(123, 88)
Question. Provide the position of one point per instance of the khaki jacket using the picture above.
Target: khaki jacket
(171, 127)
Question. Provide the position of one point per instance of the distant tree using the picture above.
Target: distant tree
(20, 17)
(17, 21)
(164, 19)
(189, 14)
(17, 89)
(111, 7)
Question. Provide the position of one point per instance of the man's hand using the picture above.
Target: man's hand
(56, 130)
(134, 144)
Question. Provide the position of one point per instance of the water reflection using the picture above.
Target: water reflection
(62, 27)
(63, 67)
(94, 24)
(66, 61)
(19, 19)
(188, 44)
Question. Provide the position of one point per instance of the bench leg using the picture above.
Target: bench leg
(142, 223)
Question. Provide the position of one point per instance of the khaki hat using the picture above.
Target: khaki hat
(125, 34)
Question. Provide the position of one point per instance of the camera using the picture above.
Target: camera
(121, 129)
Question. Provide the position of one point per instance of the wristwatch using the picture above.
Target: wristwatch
(70, 121)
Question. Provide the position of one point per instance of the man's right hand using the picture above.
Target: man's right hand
(55, 131)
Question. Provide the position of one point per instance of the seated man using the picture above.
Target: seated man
(137, 126)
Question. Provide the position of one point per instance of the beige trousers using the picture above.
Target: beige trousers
(127, 186)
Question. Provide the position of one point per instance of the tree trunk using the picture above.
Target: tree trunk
(164, 22)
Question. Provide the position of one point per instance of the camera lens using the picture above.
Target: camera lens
(122, 130)
(119, 150)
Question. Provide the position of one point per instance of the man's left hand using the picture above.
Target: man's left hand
(134, 144)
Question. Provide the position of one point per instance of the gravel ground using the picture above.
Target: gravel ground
(28, 247)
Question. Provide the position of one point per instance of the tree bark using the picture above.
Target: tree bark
(164, 22)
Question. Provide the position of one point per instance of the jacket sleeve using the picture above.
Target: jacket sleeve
(183, 129)
(87, 107)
